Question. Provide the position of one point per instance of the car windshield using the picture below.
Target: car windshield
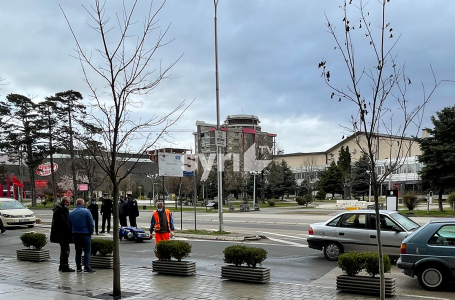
(407, 223)
(4, 205)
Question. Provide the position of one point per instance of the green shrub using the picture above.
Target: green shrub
(166, 250)
(34, 239)
(321, 195)
(372, 263)
(104, 247)
(305, 200)
(240, 254)
(451, 199)
(351, 263)
(235, 255)
(271, 202)
(255, 256)
(410, 200)
(354, 262)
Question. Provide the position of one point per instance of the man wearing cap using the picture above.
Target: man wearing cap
(162, 223)
(133, 210)
(106, 211)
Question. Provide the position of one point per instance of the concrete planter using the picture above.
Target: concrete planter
(33, 254)
(100, 262)
(365, 285)
(245, 274)
(174, 267)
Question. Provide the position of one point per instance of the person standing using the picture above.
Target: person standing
(123, 211)
(106, 211)
(81, 223)
(93, 208)
(162, 223)
(61, 232)
(133, 210)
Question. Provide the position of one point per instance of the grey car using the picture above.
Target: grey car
(429, 254)
(356, 231)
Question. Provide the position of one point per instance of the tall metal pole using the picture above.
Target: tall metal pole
(254, 189)
(369, 192)
(218, 127)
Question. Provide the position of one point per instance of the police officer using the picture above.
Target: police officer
(93, 208)
(123, 211)
(106, 211)
(133, 210)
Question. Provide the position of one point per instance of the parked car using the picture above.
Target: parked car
(133, 234)
(356, 231)
(14, 213)
(429, 254)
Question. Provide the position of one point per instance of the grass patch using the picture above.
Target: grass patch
(204, 232)
(423, 213)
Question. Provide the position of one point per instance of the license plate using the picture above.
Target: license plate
(23, 220)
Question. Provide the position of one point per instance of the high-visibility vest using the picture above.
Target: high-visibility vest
(157, 220)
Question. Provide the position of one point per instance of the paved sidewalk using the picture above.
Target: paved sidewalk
(27, 280)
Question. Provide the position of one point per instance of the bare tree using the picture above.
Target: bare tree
(124, 67)
(375, 93)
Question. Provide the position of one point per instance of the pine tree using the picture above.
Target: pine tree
(438, 153)
(344, 163)
(331, 180)
(360, 176)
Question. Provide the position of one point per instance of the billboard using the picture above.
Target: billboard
(170, 164)
(45, 169)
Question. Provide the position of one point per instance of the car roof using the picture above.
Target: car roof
(7, 199)
(387, 212)
(443, 220)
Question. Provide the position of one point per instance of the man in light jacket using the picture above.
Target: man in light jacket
(81, 223)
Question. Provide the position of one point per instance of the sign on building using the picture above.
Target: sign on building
(220, 138)
(170, 164)
(45, 169)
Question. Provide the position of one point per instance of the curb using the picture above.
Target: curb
(221, 238)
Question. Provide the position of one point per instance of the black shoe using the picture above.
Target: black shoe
(103, 232)
(3, 230)
(97, 233)
(79, 270)
(89, 270)
(60, 268)
(68, 270)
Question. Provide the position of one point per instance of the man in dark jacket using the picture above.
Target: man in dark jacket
(61, 233)
(93, 208)
(123, 211)
(106, 211)
(133, 210)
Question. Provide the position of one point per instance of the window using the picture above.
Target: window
(334, 222)
(353, 221)
(385, 223)
(445, 236)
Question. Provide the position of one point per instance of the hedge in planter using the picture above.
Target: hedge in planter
(165, 251)
(354, 262)
(101, 254)
(37, 241)
(251, 256)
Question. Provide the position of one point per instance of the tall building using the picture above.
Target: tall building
(242, 131)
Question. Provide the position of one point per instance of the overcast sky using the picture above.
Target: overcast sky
(268, 60)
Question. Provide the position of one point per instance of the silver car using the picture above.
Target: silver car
(356, 231)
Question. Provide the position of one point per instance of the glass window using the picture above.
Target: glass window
(385, 223)
(334, 222)
(405, 222)
(353, 221)
(4, 205)
(445, 236)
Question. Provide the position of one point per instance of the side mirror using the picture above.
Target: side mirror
(397, 229)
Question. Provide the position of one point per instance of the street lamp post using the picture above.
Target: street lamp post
(254, 188)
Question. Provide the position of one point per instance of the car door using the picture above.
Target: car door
(352, 232)
(391, 238)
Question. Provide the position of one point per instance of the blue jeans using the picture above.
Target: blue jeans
(83, 242)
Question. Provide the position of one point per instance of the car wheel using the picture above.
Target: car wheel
(30, 226)
(332, 251)
(431, 278)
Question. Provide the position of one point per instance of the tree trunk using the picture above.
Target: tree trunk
(116, 277)
(73, 167)
(441, 191)
(378, 234)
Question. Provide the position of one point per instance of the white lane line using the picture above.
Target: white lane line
(253, 243)
(284, 235)
(289, 243)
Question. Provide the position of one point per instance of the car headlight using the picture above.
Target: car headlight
(7, 216)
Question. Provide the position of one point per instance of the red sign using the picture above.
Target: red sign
(45, 169)
(41, 183)
(83, 187)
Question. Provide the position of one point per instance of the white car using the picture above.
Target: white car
(14, 213)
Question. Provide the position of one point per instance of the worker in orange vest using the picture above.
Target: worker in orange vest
(162, 223)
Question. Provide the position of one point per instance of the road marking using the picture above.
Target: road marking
(289, 243)
(426, 297)
(290, 236)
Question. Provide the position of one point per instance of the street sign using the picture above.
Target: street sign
(220, 138)
(188, 173)
(170, 164)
